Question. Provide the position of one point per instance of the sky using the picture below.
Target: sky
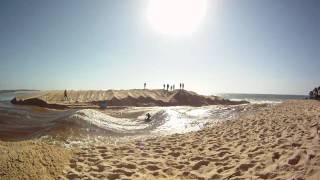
(240, 46)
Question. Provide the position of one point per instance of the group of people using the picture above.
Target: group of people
(315, 93)
(167, 86)
(172, 87)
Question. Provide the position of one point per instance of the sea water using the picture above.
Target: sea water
(262, 98)
(79, 126)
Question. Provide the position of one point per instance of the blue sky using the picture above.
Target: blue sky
(242, 46)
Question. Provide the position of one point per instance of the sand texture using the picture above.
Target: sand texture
(279, 142)
(31, 160)
(133, 97)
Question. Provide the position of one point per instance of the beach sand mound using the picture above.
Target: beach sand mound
(31, 160)
(277, 142)
(133, 97)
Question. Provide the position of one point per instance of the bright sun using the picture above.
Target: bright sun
(176, 17)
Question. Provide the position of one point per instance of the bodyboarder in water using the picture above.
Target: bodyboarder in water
(148, 117)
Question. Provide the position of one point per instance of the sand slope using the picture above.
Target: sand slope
(134, 97)
(277, 143)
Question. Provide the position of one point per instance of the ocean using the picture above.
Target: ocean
(81, 126)
(261, 98)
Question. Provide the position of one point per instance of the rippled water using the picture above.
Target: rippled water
(82, 125)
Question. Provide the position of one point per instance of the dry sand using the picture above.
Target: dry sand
(277, 143)
(31, 160)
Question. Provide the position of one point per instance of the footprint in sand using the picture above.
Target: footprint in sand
(197, 165)
(245, 167)
(113, 176)
(122, 171)
(224, 168)
(152, 167)
(128, 166)
(174, 154)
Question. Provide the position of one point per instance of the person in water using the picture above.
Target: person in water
(148, 117)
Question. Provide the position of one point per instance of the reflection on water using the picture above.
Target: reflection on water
(24, 122)
(94, 125)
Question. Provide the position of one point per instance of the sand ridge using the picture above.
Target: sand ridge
(132, 97)
(277, 143)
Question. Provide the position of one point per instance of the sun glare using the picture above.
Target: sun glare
(176, 17)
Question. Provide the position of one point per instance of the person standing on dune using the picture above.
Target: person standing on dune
(65, 95)
(167, 87)
(164, 86)
(145, 86)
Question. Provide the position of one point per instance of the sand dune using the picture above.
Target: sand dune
(277, 143)
(134, 97)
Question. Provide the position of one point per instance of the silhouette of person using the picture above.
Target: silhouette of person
(65, 95)
(164, 87)
(167, 87)
(180, 86)
(148, 117)
(145, 85)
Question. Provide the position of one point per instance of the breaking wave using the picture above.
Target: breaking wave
(26, 122)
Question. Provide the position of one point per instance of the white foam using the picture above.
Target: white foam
(106, 122)
(183, 119)
(254, 101)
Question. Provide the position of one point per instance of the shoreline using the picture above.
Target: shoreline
(277, 142)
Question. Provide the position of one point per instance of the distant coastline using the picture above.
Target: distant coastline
(16, 90)
(262, 98)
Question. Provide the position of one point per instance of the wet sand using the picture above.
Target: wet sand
(277, 143)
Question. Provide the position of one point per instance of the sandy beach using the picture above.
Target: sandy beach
(160, 89)
(32, 160)
(279, 142)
